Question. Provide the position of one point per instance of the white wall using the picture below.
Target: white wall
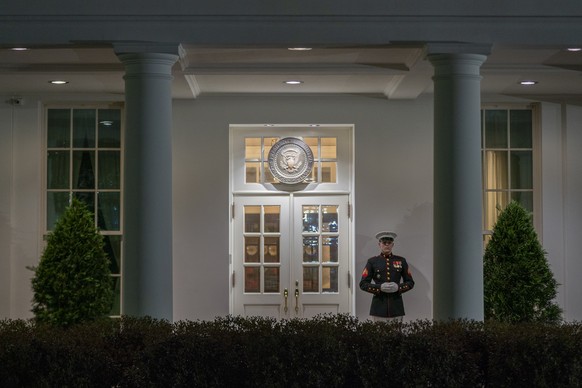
(552, 234)
(5, 203)
(393, 188)
(573, 212)
(20, 145)
(561, 206)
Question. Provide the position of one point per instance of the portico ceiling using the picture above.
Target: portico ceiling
(366, 47)
(391, 71)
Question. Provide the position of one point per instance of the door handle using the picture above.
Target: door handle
(297, 301)
(286, 295)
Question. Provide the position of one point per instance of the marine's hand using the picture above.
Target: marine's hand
(389, 287)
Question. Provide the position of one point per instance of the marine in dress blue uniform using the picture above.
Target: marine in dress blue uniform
(387, 277)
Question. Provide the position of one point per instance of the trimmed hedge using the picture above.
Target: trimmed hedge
(327, 351)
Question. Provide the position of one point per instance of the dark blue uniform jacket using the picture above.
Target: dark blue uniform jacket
(380, 269)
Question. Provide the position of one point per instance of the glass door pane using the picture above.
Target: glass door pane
(316, 260)
(321, 259)
(261, 227)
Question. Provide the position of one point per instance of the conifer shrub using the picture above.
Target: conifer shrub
(519, 286)
(72, 282)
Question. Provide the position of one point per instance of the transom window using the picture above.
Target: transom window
(324, 151)
(84, 160)
(508, 161)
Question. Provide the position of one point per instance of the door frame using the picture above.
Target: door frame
(346, 160)
(301, 303)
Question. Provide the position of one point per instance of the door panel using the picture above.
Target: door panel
(321, 254)
(261, 256)
(263, 310)
(291, 256)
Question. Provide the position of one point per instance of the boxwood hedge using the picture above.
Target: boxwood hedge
(326, 351)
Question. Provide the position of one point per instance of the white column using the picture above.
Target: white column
(458, 245)
(147, 269)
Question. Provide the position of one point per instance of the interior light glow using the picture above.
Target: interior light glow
(58, 82)
(293, 82)
(528, 82)
(299, 48)
(19, 49)
(574, 49)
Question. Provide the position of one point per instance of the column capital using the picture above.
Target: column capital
(457, 48)
(148, 48)
(131, 53)
(456, 64)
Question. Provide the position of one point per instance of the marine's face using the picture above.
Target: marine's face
(386, 245)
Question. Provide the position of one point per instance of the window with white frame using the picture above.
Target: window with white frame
(324, 151)
(508, 156)
(84, 160)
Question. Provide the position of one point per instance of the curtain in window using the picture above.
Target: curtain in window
(496, 185)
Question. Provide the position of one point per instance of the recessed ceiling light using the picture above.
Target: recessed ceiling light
(293, 82)
(528, 82)
(58, 82)
(574, 49)
(299, 48)
(19, 48)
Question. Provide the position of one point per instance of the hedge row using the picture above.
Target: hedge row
(330, 351)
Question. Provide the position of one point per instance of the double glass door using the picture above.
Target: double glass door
(291, 255)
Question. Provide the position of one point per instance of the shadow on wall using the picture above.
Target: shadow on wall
(18, 252)
(4, 266)
(415, 243)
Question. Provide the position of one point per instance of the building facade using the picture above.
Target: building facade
(180, 181)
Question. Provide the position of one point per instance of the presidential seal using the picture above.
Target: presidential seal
(290, 160)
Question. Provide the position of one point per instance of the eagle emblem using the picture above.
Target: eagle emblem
(291, 160)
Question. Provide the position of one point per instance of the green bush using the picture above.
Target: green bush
(72, 282)
(327, 351)
(518, 283)
(534, 355)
